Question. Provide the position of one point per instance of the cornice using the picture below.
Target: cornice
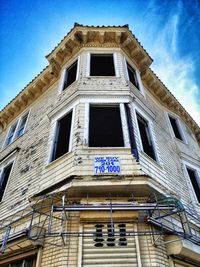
(91, 36)
(167, 99)
(27, 96)
(79, 37)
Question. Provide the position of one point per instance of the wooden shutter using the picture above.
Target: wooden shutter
(108, 247)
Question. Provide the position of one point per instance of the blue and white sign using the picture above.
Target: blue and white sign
(107, 165)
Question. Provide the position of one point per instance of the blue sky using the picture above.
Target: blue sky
(168, 30)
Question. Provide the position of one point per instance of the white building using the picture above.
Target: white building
(100, 164)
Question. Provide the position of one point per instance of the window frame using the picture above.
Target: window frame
(35, 253)
(17, 123)
(179, 126)
(102, 52)
(4, 164)
(53, 132)
(132, 65)
(136, 83)
(147, 118)
(23, 260)
(123, 119)
(196, 169)
(64, 72)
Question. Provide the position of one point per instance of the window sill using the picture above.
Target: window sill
(106, 148)
(153, 161)
(134, 88)
(102, 77)
(7, 146)
(179, 140)
(69, 86)
(52, 163)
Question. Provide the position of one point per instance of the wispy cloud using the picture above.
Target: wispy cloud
(176, 72)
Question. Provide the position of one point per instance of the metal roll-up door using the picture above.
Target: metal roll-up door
(107, 246)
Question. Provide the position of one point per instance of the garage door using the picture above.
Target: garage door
(107, 246)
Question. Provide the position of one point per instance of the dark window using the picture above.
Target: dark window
(146, 137)
(11, 134)
(20, 129)
(28, 262)
(194, 180)
(4, 179)
(105, 128)
(175, 127)
(132, 76)
(61, 143)
(102, 65)
(134, 150)
(70, 75)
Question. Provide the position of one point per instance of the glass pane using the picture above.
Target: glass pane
(20, 130)
(11, 134)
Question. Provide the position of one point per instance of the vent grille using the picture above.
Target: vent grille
(106, 246)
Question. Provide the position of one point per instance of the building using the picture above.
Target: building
(100, 164)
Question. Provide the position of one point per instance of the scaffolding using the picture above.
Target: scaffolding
(48, 218)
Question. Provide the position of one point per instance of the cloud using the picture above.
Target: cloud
(176, 72)
(177, 75)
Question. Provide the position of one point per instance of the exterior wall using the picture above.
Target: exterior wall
(33, 172)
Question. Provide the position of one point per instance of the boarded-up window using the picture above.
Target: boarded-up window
(105, 245)
(105, 128)
(146, 137)
(175, 127)
(62, 137)
(195, 182)
(102, 65)
(70, 75)
(4, 179)
(132, 76)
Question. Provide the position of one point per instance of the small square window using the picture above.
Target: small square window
(145, 136)
(194, 181)
(102, 65)
(176, 128)
(62, 136)
(105, 129)
(70, 75)
(132, 76)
